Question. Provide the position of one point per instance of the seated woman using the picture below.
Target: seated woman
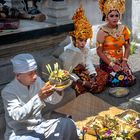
(78, 58)
(30, 11)
(111, 38)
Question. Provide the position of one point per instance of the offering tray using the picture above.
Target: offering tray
(130, 117)
(110, 128)
(59, 83)
(91, 134)
(62, 87)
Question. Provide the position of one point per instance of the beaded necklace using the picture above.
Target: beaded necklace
(115, 32)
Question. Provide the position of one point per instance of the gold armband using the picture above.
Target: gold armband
(111, 64)
(127, 41)
(99, 44)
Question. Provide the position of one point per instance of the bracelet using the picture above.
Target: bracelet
(98, 44)
(125, 59)
(111, 64)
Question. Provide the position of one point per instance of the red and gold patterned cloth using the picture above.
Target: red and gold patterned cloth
(96, 84)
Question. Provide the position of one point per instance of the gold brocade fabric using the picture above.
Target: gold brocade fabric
(96, 84)
(114, 41)
(82, 27)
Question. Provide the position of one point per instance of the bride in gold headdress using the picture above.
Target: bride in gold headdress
(110, 41)
(78, 57)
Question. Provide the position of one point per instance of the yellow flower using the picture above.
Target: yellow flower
(121, 77)
(103, 129)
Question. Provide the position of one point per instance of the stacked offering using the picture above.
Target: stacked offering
(121, 127)
(58, 77)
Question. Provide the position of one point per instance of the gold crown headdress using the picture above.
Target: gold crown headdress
(108, 5)
(82, 27)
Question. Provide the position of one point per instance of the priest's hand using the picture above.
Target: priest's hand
(46, 91)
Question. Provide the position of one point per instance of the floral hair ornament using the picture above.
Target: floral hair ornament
(108, 5)
(82, 27)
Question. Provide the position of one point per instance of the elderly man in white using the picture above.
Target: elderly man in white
(25, 97)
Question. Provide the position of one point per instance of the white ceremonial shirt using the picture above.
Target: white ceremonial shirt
(73, 56)
(23, 106)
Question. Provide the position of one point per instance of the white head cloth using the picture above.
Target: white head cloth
(23, 63)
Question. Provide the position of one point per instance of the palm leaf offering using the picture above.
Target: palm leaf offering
(49, 68)
(58, 76)
(113, 128)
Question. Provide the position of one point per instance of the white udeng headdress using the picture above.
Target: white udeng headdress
(23, 63)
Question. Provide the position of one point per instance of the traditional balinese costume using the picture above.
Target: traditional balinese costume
(80, 60)
(113, 45)
(23, 108)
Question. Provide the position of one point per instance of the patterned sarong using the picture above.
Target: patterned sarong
(97, 83)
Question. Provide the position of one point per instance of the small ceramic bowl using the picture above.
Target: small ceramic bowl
(119, 91)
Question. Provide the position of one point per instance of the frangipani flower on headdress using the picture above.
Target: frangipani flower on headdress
(82, 27)
(108, 5)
